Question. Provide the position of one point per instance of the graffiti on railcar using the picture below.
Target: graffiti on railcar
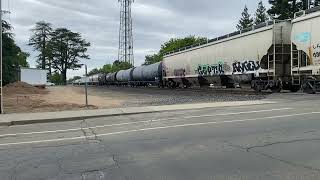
(246, 66)
(210, 70)
(227, 67)
(303, 37)
(316, 51)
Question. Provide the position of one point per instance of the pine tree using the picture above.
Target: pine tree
(39, 41)
(246, 21)
(261, 14)
(67, 49)
(284, 9)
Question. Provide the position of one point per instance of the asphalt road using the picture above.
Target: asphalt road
(273, 141)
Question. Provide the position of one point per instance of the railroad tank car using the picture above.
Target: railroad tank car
(239, 57)
(94, 79)
(152, 72)
(111, 78)
(102, 79)
(124, 76)
(137, 74)
(305, 62)
(147, 75)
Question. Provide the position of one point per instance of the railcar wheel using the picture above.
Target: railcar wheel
(295, 89)
(256, 88)
(307, 88)
(275, 89)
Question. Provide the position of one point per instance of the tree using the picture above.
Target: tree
(67, 48)
(261, 14)
(245, 21)
(106, 69)
(117, 66)
(173, 45)
(151, 59)
(178, 43)
(39, 41)
(94, 71)
(284, 9)
(13, 56)
(56, 78)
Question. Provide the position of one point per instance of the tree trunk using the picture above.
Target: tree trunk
(50, 68)
(43, 63)
(64, 77)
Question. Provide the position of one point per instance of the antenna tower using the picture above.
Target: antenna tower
(125, 53)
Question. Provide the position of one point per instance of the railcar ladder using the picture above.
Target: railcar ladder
(296, 78)
(278, 51)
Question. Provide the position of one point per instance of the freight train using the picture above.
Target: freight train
(274, 55)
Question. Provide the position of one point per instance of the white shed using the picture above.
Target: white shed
(35, 77)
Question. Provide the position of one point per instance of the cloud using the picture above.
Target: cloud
(98, 21)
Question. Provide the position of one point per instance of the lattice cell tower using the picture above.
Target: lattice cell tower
(125, 53)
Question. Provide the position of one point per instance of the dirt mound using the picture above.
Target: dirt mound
(22, 88)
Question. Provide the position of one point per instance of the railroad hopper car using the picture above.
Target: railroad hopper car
(240, 57)
(305, 61)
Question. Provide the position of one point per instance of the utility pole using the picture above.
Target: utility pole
(125, 53)
(86, 86)
(86, 83)
(1, 74)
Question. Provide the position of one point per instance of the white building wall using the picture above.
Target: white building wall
(34, 77)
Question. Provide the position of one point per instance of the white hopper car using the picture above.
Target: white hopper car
(274, 55)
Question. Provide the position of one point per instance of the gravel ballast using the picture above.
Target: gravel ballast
(154, 96)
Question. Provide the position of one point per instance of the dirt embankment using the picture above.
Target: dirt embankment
(20, 97)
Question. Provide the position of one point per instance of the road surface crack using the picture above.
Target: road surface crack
(282, 142)
(88, 132)
(116, 162)
(251, 150)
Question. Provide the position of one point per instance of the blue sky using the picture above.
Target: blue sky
(154, 23)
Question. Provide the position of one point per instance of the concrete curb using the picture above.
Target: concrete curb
(51, 117)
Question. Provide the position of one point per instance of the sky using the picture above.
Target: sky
(154, 22)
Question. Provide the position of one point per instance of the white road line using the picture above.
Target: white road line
(137, 122)
(155, 128)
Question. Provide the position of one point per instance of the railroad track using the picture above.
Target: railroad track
(244, 91)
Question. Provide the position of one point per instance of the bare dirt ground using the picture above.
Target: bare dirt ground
(23, 98)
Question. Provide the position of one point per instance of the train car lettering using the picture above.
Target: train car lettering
(246, 66)
(210, 70)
